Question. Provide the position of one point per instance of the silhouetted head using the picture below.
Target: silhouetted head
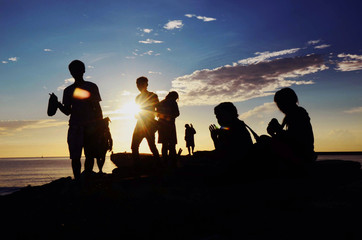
(226, 113)
(173, 95)
(187, 126)
(286, 99)
(142, 83)
(76, 69)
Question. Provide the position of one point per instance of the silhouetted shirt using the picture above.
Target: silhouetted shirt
(234, 140)
(299, 133)
(147, 102)
(84, 100)
(167, 111)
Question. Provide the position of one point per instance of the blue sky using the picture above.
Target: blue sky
(208, 51)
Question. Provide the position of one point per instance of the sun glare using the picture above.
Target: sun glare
(130, 109)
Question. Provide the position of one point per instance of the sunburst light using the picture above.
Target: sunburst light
(130, 109)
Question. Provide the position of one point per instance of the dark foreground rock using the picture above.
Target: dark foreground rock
(187, 204)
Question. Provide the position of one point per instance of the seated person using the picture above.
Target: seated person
(293, 140)
(232, 140)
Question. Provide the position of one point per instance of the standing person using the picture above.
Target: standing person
(293, 140)
(168, 111)
(81, 102)
(189, 138)
(146, 124)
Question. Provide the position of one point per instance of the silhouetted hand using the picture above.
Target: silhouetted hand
(53, 97)
(273, 127)
(214, 131)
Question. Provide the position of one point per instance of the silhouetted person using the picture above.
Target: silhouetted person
(293, 140)
(189, 138)
(146, 124)
(81, 102)
(232, 140)
(103, 142)
(168, 111)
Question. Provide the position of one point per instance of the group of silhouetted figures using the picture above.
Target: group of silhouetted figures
(288, 149)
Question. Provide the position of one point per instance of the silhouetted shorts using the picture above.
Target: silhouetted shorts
(141, 132)
(190, 143)
(80, 137)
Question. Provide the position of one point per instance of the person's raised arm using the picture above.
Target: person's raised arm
(65, 107)
(214, 135)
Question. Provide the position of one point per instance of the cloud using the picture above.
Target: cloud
(148, 52)
(13, 59)
(203, 18)
(66, 82)
(10, 126)
(322, 46)
(151, 72)
(147, 30)
(350, 62)
(161, 94)
(260, 110)
(206, 19)
(313, 42)
(4, 62)
(174, 24)
(354, 110)
(242, 81)
(47, 50)
(262, 56)
(150, 41)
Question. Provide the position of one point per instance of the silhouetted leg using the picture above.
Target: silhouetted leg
(189, 149)
(88, 164)
(164, 151)
(172, 150)
(152, 145)
(100, 163)
(136, 141)
(76, 166)
(75, 145)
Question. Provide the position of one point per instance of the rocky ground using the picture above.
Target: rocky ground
(186, 204)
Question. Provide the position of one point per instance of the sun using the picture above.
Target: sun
(130, 109)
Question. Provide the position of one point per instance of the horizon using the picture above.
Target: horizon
(209, 52)
(141, 153)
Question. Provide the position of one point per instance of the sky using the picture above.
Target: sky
(208, 51)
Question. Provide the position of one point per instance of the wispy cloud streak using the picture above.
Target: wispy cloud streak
(11, 126)
(354, 110)
(150, 41)
(203, 18)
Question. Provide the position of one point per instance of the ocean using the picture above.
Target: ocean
(16, 173)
